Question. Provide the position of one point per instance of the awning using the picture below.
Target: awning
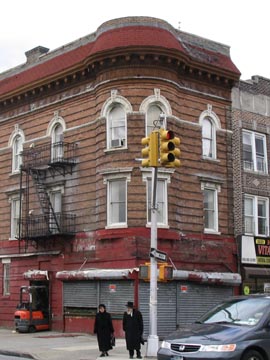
(251, 272)
(95, 274)
(197, 276)
(208, 277)
(36, 275)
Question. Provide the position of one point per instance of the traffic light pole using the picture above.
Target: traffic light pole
(153, 341)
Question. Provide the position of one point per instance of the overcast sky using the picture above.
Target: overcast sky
(241, 24)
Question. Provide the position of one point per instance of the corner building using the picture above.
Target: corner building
(75, 203)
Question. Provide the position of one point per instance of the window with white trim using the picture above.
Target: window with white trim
(208, 138)
(254, 151)
(210, 206)
(15, 216)
(116, 126)
(256, 215)
(17, 148)
(6, 277)
(116, 202)
(57, 148)
(164, 178)
(161, 193)
(55, 195)
(152, 116)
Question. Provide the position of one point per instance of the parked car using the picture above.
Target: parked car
(238, 329)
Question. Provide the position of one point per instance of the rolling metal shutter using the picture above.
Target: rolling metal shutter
(166, 308)
(179, 303)
(89, 294)
(115, 294)
(80, 294)
(193, 300)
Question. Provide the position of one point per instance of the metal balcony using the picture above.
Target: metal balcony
(35, 227)
(58, 154)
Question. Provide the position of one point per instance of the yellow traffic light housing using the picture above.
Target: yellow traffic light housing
(165, 272)
(169, 151)
(146, 151)
(144, 272)
(150, 152)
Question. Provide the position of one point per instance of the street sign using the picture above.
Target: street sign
(162, 256)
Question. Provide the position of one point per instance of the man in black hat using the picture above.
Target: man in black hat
(133, 327)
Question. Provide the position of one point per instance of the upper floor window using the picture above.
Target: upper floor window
(152, 115)
(6, 276)
(254, 152)
(256, 215)
(210, 206)
(57, 149)
(55, 195)
(153, 106)
(116, 180)
(117, 202)
(208, 138)
(15, 216)
(16, 153)
(116, 126)
(161, 193)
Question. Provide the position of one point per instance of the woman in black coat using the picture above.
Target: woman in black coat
(133, 327)
(103, 327)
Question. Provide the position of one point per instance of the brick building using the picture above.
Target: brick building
(75, 200)
(251, 115)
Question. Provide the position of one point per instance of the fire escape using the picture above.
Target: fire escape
(39, 163)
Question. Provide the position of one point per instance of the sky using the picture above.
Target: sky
(243, 25)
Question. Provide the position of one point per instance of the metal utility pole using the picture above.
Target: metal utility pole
(153, 341)
(160, 149)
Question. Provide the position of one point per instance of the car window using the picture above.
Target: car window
(247, 311)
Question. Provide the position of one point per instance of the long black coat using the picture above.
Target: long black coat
(133, 327)
(103, 327)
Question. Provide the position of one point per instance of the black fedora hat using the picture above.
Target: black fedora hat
(129, 304)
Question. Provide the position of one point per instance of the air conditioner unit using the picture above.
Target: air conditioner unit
(117, 142)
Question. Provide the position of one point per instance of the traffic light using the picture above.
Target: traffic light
(165, 272)
(169, 151)
(150, 152)
(144, 272)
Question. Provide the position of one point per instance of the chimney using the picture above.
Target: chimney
(34, 54)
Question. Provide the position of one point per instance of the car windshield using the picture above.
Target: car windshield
(243, 311)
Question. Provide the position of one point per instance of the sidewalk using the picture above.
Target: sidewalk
(50, 345)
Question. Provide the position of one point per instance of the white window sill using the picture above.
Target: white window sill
(214, 232)
(15, 172)
(160, 226)
(210, 159)
(116, 226)
(116, 149)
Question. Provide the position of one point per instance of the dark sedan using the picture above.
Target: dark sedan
(237, 329)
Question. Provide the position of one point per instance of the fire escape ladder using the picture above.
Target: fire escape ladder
(44, 200)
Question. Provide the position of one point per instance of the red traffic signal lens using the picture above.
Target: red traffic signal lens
(170, 135)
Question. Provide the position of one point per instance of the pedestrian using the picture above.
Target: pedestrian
(103, 327)
(133, 328)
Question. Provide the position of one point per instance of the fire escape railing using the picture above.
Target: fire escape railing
(59, 153)
(37, 226)
(37, 161)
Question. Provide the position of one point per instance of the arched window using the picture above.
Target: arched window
(57, 149)
(152, 115)
(208, 138)
(116, 126)
(17, 148)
